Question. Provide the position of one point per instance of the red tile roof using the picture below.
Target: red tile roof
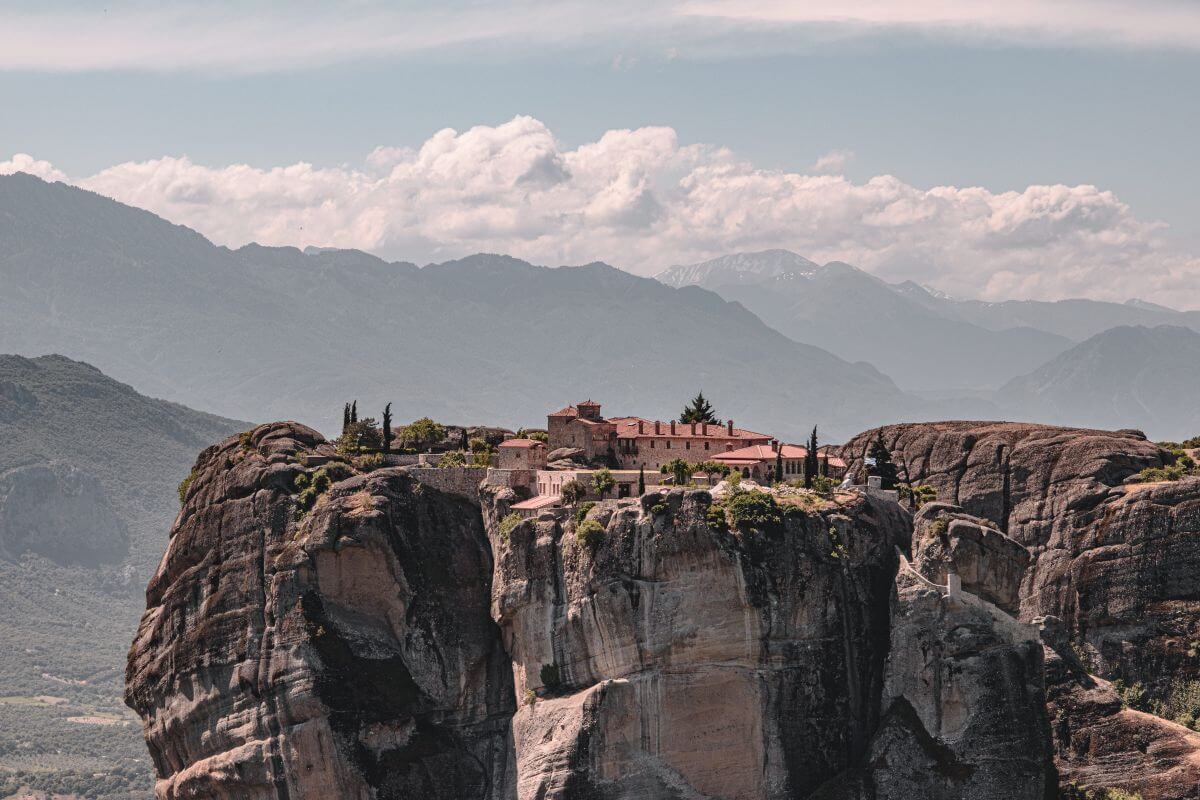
(569, 411)
(522, 443)
(534, 503)
(627, 428)
(763, 452)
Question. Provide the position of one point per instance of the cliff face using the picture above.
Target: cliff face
(1118, 565)
(317, 631)
(345, 652)
(669, 656)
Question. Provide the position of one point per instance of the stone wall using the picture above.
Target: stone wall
(462, 481)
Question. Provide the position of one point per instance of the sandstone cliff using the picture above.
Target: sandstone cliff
(1118, 565)
(344, 652)
(315, 630)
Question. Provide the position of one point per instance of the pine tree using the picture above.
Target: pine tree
(884, 467)
(387, 428)
(811, 463)
(354, 412)
(641, 480)
(699, 410)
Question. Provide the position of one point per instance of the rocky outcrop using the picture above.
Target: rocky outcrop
(317, 631)
(665, 657)
(1118, 564)
(963, 696)
(60, 512)
(345, 651)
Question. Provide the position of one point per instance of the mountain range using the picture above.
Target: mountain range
(776, 340)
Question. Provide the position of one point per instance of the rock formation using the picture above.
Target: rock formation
(1118, 564)
(317, 631)
(963, 697)
(346, 651)
(669, 658)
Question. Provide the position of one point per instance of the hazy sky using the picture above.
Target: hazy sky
(1021, 149)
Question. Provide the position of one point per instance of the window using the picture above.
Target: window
(652, 443)
(687, 445)
(706, 445)
(668, 444)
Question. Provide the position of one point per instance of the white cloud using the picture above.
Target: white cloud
(276, 36)
(642, 200)
(23, 162)
(833, 163)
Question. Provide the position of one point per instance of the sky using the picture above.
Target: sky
(1018, 150)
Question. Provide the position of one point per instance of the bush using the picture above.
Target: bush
(917, 495)
(715, 517)
(824, 485)
(754, 511)
(508, 525)
(184, 484)
(572, 492)
(603, 481)
(659, 509)
(583, 510)
(455, 458)
(551, 677)
(589, 533)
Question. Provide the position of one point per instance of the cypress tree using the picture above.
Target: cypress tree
(641, 480)
(811, 463)
(354, 412)
(779, 464)
(387, 428)
(345, 417)
(884, 467)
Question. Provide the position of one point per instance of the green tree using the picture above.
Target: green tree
(423, 433)
(699, 410)
(711, 469)
(679, 469)
(779, 465)
(603, 481)
(572, 492)
(361, 436)
(345, 417)
(354, 412)
(884, 467)
(641, 480)
(811, 464)
(387, 428)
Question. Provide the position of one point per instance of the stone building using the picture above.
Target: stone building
(633, 442)
(521, 454)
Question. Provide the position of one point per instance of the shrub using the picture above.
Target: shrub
(754, 511)
(572, 492)
(940, 527)
(369, 462)
(551, 677)
(715, 517)
(583, 510)
(837, 548)
(508, 525)
(184, 484)
(455, 458)
(659, 508)
(589, 533)
(824, 485)
(917, 495)
(734, 479)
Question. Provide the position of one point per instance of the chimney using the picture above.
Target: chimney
(704, 429)
(657, 427)
(640, 426)
(730, 423)
(693, 429)
(775, 445)
(672, 427)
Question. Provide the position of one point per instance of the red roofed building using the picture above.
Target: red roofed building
(521, 454)
(633, 442)
(758, 461)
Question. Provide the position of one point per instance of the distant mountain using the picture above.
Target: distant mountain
(1130, 376)
(88, 471)
(734, 269)
(899, 329)
(267, 333)
(1075, 319)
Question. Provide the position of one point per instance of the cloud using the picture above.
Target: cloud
(642, 200)
(833, 163)
(23, 162)
(272, 36)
